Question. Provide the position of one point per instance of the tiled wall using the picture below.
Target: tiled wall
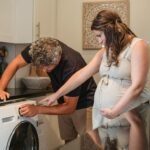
(14, 50)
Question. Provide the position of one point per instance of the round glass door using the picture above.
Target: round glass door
(24, 137)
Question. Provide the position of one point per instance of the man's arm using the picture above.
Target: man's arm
(68, 107)
(11, 69)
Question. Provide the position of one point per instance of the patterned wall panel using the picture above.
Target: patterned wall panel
(90, 10)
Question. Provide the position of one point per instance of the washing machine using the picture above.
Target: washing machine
(17, 132)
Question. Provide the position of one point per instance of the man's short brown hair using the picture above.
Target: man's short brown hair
(45, 51)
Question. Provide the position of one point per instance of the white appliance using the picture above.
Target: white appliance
(17, 132)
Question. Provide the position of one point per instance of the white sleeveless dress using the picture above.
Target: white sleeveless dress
(113, 84)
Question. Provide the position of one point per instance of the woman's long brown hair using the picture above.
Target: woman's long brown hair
(116, 33)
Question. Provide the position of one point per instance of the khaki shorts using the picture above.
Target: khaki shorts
(72, 125)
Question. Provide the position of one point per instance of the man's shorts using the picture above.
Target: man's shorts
(73, 124)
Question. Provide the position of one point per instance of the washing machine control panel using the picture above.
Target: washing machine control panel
(10, 112)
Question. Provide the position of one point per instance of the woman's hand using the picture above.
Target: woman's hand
(28, 110)
(4, 95)
(49, 99)
(108, 113)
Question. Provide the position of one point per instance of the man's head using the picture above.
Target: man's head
(45, 51)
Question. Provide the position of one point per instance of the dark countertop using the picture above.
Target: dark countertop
(23, 93)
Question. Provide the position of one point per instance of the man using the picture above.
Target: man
(60, 62)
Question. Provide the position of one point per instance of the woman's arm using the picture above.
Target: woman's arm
(78, 78)
(140, 60)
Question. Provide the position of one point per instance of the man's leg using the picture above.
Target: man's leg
(79, 119)
(66, 128)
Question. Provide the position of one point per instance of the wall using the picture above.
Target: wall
(69, 23)
(139, 18)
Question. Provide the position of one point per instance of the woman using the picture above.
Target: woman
(123, 64)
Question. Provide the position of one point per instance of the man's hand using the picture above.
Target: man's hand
(108, 113)
(49, 99)
(4, 95)
(28, 110)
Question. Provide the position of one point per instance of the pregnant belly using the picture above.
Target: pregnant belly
(108, 94)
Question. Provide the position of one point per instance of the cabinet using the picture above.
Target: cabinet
(45, 18)
(23, 21)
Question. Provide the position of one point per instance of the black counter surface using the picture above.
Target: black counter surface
(24, 93)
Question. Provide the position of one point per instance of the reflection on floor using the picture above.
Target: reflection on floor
(83, 142)
(89, 142)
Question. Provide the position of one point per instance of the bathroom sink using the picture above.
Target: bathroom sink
(36, 82)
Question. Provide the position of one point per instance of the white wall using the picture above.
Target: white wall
(69, 20)
(139, 18)
(69, 23)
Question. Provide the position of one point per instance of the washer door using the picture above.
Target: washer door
(24, 137)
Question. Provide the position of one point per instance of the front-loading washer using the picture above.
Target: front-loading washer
(17, 132)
